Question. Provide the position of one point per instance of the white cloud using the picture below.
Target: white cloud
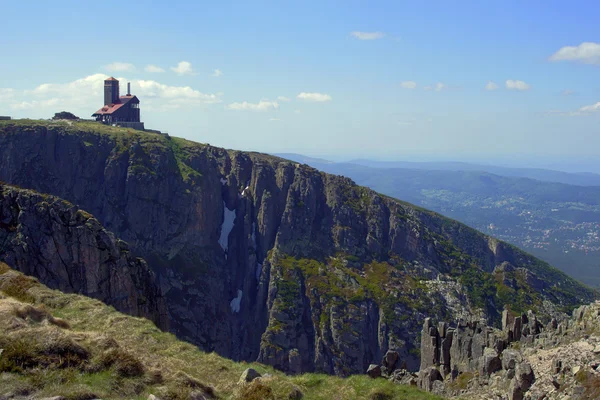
(586, 53)
(582, 111)
(567, 92)
(263, 105)
(274, 119)
(408, 84)
(84, 96)
(217, 73)
(590, 109)
(284, 99)
(183, 68)
(119, 67)
(6, 93)
(297, 111)
(440, 86)
(153, 68)
(175, 94)
(367, 35)
(315, 97)
(517, 85)
(29, 105)
(88, 87)
(491, 86)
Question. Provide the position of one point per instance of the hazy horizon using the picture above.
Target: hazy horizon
(565, 164)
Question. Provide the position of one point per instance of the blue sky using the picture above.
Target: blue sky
(342, 79)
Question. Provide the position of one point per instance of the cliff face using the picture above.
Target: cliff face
(259, 258)
(69, 250)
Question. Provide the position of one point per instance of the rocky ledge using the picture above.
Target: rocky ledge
(524, 360)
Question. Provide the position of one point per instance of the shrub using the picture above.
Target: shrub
(125, 364)
(17, 286)
(33, 349)
(65, 115)
(17, 356)
(57, 350)
(379, 394)
(256, 390)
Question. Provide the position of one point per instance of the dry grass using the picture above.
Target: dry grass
(77, 347)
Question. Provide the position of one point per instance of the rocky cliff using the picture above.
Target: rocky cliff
(260, 258)
(69, 250)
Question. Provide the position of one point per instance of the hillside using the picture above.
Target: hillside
(261, 259)
(557, 222)
(57, 344)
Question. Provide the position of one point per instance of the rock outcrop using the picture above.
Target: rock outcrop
(260, 258)
(69, 250)
(525, 360)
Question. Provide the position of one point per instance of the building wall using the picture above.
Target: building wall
(130, 112)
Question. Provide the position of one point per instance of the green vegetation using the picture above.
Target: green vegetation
(179, 148)
(123, 139)
(335, 283)
(91, 351)
(65, 115)
(462, 380)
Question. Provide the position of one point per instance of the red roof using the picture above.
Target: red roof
(111, 108)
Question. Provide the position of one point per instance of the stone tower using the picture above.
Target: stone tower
(111, 91)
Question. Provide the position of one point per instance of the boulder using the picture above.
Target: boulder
(514, 390)
(489, 363)
(295, 394)
(403, 377)
(389, 361)
(427, 378)
(197, 395)
(374, 371)
(249, 375)
(510, 359)
(524, 376)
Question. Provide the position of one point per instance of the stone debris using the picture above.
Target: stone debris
(526, 360)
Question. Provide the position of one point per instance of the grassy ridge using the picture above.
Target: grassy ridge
(77, 347)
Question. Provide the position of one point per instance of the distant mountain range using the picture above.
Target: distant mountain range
(546, 175)
(554, 215)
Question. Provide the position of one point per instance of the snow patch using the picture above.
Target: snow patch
(258, 270)
(244, 191)
(223, 181)
(226, 227)
(235, 303)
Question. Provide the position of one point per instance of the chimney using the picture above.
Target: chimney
(128, 88)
